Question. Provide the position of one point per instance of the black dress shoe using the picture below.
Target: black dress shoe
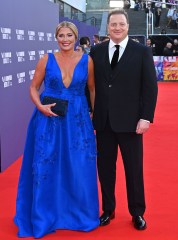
(106, 217)
(139, 222)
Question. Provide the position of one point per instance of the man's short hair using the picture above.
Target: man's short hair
(116, 12)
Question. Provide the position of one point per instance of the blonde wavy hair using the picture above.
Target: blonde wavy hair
(69, 25)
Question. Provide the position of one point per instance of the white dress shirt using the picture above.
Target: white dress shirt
(112, 48)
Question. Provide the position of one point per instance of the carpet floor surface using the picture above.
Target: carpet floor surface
(161, 184)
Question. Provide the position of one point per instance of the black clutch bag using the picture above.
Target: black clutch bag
(61, 105)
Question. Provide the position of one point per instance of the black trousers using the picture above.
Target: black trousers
(131, 147)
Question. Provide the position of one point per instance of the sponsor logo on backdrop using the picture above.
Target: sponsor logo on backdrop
(41, 36)
(49, 37)
(6, 57)
(41, 53)
(31, 55)
(21, 77)
(158, 62)
(20, 56)
(56, 50)
(55, 37)
(7, 81)
(31, 74)
(6, 33)
(20, 34)
(31, 35)
(49, 51)
(170, 68)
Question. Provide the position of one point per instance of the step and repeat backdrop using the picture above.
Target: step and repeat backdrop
(27, 32)
(166, 68)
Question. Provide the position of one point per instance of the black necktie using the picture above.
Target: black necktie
(115, 57)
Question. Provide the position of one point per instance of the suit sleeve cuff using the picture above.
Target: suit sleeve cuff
(145, 120)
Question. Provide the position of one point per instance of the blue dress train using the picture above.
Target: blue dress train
(58, 180)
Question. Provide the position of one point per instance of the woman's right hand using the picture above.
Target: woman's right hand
(46, 110)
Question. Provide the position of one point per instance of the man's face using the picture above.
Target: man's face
(118, 27)
(169, 45)
(148, 42)
(175, 41)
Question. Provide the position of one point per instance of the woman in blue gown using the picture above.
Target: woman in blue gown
(58, 181)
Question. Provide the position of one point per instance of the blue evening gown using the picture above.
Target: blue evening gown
(58, 181)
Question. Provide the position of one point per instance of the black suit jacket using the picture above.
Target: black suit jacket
(127, 93)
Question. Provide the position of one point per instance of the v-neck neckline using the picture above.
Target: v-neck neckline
(58, 66)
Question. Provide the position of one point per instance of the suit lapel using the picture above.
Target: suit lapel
(107, 67)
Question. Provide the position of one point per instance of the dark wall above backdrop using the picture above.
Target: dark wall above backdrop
(160, 41)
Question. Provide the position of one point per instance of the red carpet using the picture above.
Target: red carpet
(161, 184)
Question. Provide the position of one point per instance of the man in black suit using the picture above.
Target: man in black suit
(126, 93)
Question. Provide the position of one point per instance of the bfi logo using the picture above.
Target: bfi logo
(31, 74)
(41, 36)
(6, 33)
(49, 51)
(7, 81)
(20, 56)
(6, 57)
(31, 35)
(21, 77)
(31, 55)
(20, 34)
(41, 53)
(49, 37)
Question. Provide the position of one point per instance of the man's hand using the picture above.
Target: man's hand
(142, 126)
